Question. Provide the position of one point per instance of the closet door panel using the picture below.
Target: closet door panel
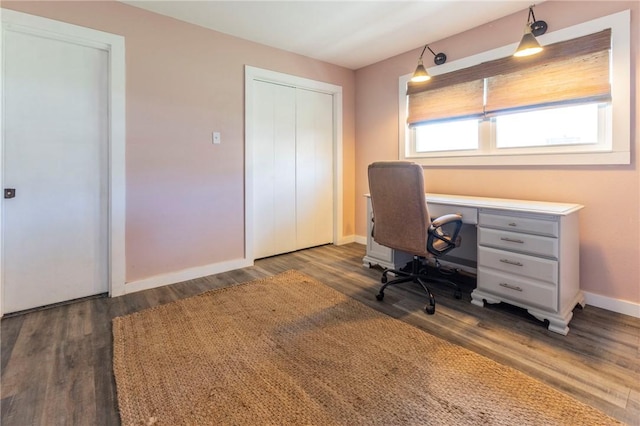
(274, 169)
(314, 168)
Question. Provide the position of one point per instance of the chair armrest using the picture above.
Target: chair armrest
(439, 241)
(444, 219)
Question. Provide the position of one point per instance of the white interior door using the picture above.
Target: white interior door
(314, 168)
(274, 166)
(54, 231)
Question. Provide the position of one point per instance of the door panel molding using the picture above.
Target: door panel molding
(258, 74)
(114, 45)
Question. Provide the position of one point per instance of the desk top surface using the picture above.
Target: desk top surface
(504, 204)
(545, 207)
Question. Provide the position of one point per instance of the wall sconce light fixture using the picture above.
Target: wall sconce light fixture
(421, 73)
(529, 45)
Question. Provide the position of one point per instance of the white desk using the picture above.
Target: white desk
(527, 253)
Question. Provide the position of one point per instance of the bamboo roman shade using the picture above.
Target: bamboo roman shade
(462, 100)
(571, 71)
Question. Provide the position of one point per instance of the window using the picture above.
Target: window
(493, 118)
(561, 126)
(446, 136)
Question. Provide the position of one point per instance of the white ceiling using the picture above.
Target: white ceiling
(352, 34)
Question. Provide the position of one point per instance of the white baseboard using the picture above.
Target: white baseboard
(360, 240)
(346, 239)
(197, 272)
(610, 304)
(185, 275)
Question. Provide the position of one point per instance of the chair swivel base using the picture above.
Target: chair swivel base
(430, 308)
(417, 276)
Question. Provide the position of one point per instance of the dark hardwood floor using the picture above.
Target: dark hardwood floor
(57, 363)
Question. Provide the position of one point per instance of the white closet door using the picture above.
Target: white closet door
(274, 169)
(314, 168)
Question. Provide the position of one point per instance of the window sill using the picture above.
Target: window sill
(575, 159)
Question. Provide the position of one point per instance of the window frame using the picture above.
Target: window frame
(487, 154)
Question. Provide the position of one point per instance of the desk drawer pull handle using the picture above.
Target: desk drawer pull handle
(511, 287)
(511, 262)
(511, 240)
(513, 224)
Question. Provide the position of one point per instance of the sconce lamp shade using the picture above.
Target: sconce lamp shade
(533, 28)
(420, 74)
(528, 45)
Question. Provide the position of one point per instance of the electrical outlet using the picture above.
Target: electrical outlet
(216, 137)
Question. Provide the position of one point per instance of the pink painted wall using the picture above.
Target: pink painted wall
(185, 196)
(609, 229)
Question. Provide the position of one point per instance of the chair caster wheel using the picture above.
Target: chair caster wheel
(380, 296)
(458, 294)
(383, 280)
(430, 309)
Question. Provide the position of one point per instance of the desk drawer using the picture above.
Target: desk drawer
(533, 267)
(523, 243)
(518, 289)
(469, 214)
(520, 224)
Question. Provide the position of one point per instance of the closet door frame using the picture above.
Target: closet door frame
(258, 74)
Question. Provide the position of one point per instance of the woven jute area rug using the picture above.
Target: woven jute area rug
(288, 350)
